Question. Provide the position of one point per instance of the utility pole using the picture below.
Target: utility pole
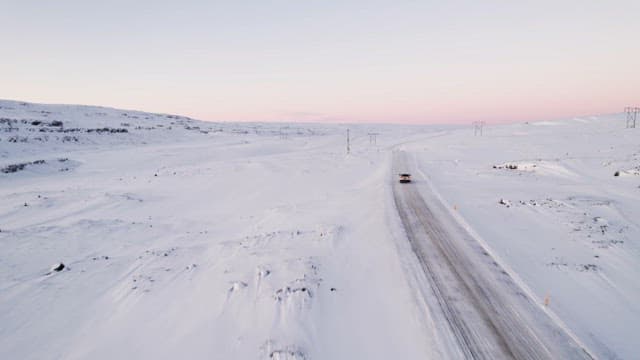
(348, 143)
(477, 127)
(373, 140)
(632, 115)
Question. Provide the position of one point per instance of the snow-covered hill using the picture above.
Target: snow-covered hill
(37, 128)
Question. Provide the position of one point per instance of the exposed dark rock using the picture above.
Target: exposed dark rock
(57, 267)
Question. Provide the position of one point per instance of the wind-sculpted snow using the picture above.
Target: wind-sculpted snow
(187, 239)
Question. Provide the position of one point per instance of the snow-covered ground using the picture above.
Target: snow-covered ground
(559, 204)
(190, 239)
(184, 239)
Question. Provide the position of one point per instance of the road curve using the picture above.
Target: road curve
(479, 310)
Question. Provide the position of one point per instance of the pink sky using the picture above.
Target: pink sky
(349, 61)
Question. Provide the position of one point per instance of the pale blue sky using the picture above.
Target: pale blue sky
(400, 61)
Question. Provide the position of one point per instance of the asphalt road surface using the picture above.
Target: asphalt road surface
(479, 310)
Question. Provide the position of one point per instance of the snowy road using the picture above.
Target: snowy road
(478, 308)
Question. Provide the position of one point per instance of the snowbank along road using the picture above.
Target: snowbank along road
(481, 312)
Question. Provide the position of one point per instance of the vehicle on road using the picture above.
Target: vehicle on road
(405, 178)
